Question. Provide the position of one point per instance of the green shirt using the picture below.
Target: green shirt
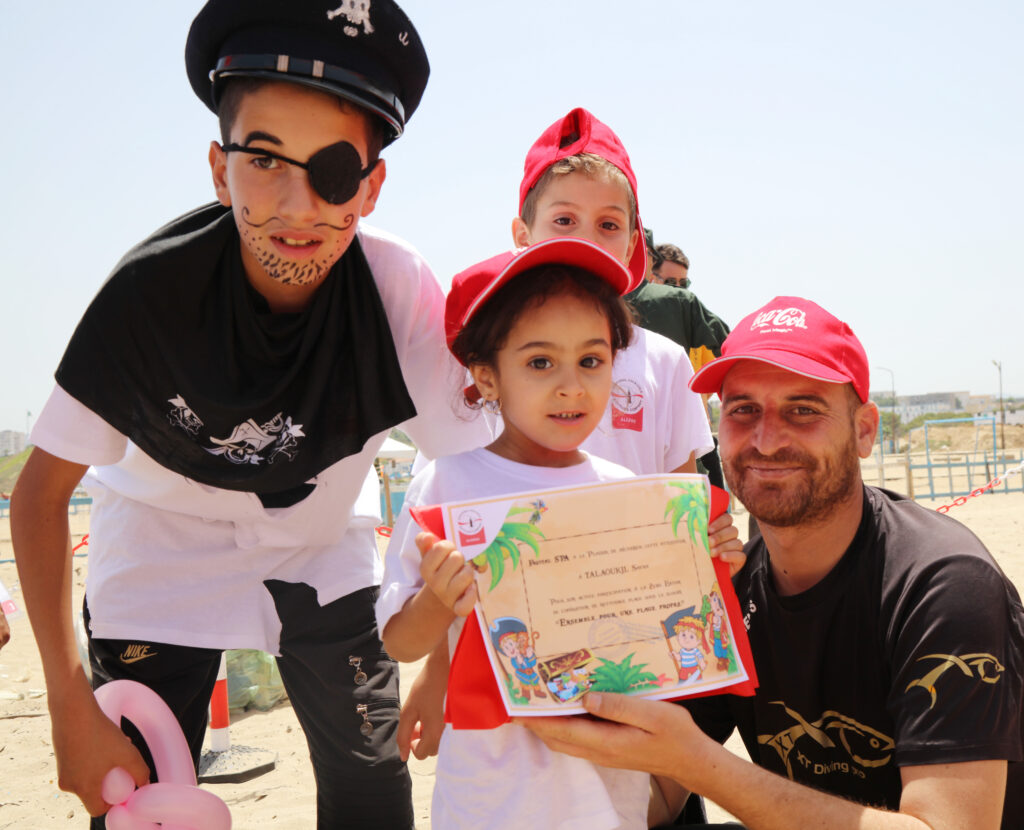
(677, 314)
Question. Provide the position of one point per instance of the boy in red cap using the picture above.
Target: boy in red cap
(578, 181)
(580, 144)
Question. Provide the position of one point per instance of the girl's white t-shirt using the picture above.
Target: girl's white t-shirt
(507, 777)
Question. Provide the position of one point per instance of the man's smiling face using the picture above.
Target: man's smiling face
(291, 236)
(791, 445)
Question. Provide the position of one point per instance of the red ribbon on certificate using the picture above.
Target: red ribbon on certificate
(746, 688)
(474, 700)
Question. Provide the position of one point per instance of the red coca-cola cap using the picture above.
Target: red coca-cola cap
(793, 334)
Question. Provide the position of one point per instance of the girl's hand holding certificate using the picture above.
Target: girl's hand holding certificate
(447, 574)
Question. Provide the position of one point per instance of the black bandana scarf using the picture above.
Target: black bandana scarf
(182, 355)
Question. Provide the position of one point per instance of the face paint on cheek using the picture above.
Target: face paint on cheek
(245, 218)
(289, 272)
(350, 220)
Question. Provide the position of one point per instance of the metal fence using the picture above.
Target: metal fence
(945, 474)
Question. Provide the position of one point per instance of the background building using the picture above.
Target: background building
(11, 443)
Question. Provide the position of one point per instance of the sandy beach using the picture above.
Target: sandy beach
(29, 797)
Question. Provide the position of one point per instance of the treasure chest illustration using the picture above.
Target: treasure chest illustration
(567, 676)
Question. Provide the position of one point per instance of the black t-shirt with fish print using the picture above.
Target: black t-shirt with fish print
(909, 652)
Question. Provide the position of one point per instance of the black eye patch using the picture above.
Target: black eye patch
(335, 172)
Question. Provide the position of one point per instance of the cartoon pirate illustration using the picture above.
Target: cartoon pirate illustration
(511, 638)
(718, 625)
(685, 632)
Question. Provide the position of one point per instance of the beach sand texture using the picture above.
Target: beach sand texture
(29, 797)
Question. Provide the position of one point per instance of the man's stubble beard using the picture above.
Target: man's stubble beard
(825, 482)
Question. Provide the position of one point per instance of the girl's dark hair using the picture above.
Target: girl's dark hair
(485, 334)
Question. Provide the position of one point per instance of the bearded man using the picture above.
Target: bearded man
(888, 644)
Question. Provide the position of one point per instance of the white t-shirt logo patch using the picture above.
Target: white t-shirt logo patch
(357, 13)
(627, 405)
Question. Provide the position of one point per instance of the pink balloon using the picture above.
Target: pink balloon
(119, 817)
(173, 803)
(118, 785)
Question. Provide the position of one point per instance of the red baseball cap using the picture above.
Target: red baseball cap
(580, 132)
(793, 334)
(478, 283)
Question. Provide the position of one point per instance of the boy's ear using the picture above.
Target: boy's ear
(633, 240)
(521, 233)
(375, 182)
(486, 380)
(219, 169)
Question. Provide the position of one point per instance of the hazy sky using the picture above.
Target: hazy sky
(869, 156)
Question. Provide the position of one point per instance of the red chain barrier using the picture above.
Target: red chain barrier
(980, 491)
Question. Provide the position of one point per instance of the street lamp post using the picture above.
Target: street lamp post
(1002, 412)
(892, 378)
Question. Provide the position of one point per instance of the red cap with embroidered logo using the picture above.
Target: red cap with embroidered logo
(478, 283)
(793, 334)
(579, 132)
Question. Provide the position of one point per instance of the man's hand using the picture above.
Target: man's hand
(660, 738)
(421, 722)
(87, 745)
(724, 540)
(447, 574)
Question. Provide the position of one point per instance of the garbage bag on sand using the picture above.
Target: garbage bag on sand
(254, 681)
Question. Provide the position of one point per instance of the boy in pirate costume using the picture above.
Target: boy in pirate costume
(230, 386)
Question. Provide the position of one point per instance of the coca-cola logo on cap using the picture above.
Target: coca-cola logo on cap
(789, 318)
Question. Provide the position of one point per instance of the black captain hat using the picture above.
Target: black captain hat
(366, 51)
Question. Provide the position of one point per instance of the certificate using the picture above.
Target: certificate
(604, 587)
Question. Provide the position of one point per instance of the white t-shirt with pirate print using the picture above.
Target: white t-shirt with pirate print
(506, 777)
(172, 560)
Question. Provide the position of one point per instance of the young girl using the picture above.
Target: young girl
(538, 331)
